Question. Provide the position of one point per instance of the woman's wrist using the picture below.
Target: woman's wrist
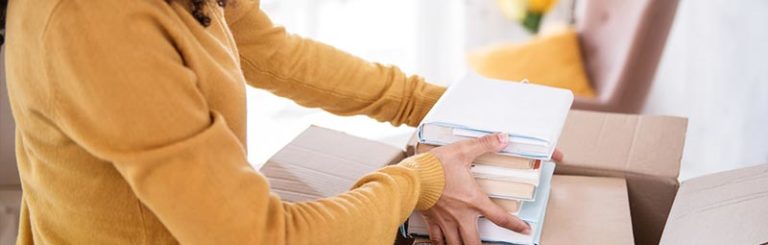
(431, 178)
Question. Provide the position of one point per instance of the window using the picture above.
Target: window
(417, 36)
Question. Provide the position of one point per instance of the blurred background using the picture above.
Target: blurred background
(704, 60)
(712, 65)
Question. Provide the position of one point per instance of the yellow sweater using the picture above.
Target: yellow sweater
(131, 126)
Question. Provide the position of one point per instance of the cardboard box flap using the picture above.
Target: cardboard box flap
(623, 143)
(322, 162)
(645, 150)
(587, 210)
(723, 208)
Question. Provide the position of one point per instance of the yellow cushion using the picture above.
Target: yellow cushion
(553, 60)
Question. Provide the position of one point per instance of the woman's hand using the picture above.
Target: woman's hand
(453, 219)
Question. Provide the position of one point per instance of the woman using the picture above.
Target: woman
(131, 130)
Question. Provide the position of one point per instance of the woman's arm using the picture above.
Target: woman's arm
(317, 75)
(122, 92)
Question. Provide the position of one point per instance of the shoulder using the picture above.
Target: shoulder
(236, 9)
(109, 7)
(83, 16)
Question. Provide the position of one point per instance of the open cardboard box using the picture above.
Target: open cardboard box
(645, 150)
(724, 208)
(616, 166)
(322, 162)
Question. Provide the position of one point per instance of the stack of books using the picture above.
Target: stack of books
(508, 180)
(518, 177)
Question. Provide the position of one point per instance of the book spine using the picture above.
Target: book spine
(490, 159)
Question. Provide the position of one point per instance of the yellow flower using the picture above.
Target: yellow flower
(528, 12)
(540, 6)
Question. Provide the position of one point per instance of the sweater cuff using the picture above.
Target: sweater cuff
(431, 177)
(426, 97)
(433, 92)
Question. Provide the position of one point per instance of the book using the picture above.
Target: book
(523, 176)
(503, 182)
(491, 159)
(532, 115)
(512, 206)
(531, 212)
(507, 189)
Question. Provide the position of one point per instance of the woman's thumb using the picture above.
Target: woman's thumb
(487, 144)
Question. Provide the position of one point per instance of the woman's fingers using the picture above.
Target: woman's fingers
(450, 233)
(557, 156)
(471, 149)
(453, 219)
(448, 227)
(502, 218)
(435, 233)
(468, 230)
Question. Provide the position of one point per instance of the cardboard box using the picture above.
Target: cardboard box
(587, 210)
(646, 150)
(322, 162)
(589, 199)
(723, 208)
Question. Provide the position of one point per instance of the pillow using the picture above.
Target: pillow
(552, 60)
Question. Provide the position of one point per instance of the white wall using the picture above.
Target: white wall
(715, 72)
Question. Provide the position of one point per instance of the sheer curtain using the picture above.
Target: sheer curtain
(423, 37)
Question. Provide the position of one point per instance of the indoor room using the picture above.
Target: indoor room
(384, 122)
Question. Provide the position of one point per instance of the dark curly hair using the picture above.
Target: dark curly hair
(196, 7)
(3, 7)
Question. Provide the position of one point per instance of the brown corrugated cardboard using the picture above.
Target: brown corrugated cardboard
(622, 143)
(646, 150)
(723, 208)
(410, 148)
(587, 210)
(321, 163)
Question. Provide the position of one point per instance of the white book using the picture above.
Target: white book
(533, 115)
